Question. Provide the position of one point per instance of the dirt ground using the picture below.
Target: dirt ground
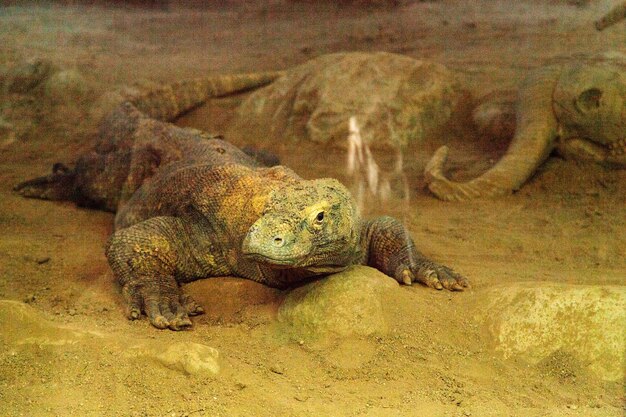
(438, 358)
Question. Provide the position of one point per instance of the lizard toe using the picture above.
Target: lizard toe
(157, 319)
(190, 305)
(180, 320)
(407, 277)
(451, 280)
(133, 302)
(134, 313)
(159, 322)
(180, 323)
(430, 278)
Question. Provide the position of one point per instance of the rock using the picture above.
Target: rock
(277, 369)
(345, 304)
(187, 357)
(67, 86)
(191, 358)
(540, 322)
(397, 100)
(28, 75)
(21, 324)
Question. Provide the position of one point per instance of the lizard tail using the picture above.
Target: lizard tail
(167, 102)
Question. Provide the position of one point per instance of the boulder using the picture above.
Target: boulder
(396, 100)
(346, 304)
(539, 322)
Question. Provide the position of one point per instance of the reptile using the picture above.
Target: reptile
(190, 205)
(577, 109)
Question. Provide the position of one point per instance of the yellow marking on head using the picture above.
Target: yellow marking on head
(311, 212)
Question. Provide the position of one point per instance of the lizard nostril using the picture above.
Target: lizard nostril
(278, 241)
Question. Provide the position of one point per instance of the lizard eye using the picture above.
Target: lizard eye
(320, 217)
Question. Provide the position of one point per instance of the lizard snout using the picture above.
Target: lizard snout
(274, 243)
(279, 241)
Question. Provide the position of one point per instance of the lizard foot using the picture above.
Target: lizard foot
(165, 309)
(432, 275)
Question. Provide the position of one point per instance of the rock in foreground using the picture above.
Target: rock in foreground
(345, 304)
(536, 322)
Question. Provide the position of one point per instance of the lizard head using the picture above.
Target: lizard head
(309, 224)
(590, 103)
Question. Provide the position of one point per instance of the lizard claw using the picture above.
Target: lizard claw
(434, 276)
(193, 308)
(449, 279)
(134, 314)
(168, 314)
(407, 277)
(431, 278)
(163, 310)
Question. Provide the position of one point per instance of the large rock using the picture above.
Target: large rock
(396, 100)
(345, 304)
(538, 322)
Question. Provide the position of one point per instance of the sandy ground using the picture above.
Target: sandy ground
(438, 358)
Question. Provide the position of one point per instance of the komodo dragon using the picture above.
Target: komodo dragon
(577, 109)
(190, 206)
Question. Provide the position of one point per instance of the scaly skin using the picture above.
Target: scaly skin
(578, 110)
(190, 206)
(134, 140)
(216, 218)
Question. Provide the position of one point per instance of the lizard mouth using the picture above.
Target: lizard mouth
(272, 261)
(293, 264)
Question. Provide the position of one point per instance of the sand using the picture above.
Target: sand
(547, 264)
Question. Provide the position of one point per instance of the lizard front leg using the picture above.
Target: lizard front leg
(391, 250)
(146, 260)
